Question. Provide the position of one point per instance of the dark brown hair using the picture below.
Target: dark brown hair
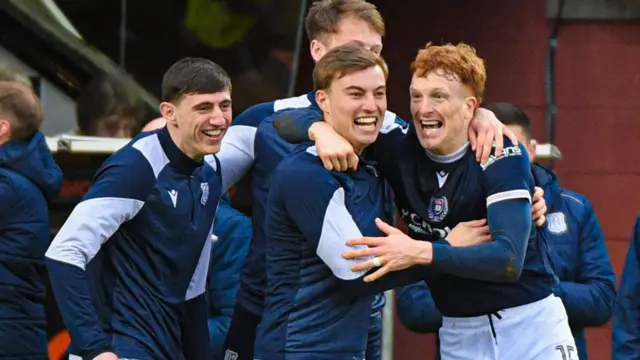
(344, 60)
(324, 15)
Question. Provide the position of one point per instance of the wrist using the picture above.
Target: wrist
(316, 129)
(422, 253)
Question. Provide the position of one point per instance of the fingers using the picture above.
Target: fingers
(538, 193)
(540, 221)
(498, 138)
(483, 239)
(326, 162)
(344, 163)
(386, 228)
(368, 241)
(480, 141)
(377, 274)
(369, 264)
(352, 161)
(472, 138)
(487, 145)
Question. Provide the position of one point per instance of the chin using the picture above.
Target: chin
(430, 143)
(211, 149)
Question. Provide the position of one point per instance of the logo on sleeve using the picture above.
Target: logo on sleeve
(205, 193)
(438, 209)
(557, 223)
(506, 152)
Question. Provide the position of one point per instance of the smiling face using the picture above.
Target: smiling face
(442, 108)
(197, 122)
(355, 105)
(446, 88)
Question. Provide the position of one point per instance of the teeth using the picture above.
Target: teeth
(366, 120)
(430, 122)
(215, 132)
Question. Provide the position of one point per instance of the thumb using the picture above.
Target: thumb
(386, 228)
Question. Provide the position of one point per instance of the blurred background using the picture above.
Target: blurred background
(98, 64)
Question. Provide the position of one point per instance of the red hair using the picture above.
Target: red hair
(458, 60)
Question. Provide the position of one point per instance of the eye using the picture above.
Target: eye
(416, 96)
(356, 95)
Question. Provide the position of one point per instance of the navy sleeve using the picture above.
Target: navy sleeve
(416, 309)
(589, 300)
(293, 124)
(233, 232)
(195, 332)
(315, 201)
(626, 312)
(8, 198)
(236, 153)
(117, 194)
(507, 182)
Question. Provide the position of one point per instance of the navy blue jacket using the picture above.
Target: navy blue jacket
(626, 313)
(232, 230)
(128, 268)
(28, 178)
(579, 258)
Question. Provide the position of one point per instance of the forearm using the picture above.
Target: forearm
(390, 281)
(500, 260)
(195, 332)
(78, 313)
(587, 304)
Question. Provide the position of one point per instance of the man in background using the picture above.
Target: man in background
(579, 256)
(626, 313)
(29, 178)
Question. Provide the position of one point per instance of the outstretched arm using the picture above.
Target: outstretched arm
(116, 196)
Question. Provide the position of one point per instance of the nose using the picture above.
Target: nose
(426, 108)
(217, 117)
(369, 103)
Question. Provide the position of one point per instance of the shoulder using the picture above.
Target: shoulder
(144, 153)
(295, 102)
(392, 122)
(575, 204)
(304, 171)
(514, 154)
(254, 114)
(8, 184)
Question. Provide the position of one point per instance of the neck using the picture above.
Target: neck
(448, 156)
(448, 148)
(191, 153)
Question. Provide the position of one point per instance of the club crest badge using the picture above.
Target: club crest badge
(438, 209)
(557, 223)
(205, 193)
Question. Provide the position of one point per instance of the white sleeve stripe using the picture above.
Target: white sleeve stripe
(198, 284)
(301, 101)
(508, 195)
(90, 225)
(236, 154)
(338, 227)
(152, 150)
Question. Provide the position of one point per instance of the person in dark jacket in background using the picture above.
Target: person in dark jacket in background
(29, 177)
(232, 230)
(626, 313)
(578, 252)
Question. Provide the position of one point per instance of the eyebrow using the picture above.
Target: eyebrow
(209, 103)
(354, 87)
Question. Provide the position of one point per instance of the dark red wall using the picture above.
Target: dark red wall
(598, 96)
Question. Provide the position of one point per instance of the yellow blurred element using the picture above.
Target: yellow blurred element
(216, 26)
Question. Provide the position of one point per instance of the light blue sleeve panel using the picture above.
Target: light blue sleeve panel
(118, 193)
(315, 201)
(236, 153)
(198, 284)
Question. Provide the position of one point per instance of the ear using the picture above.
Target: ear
(5, 128)
(531, 148)
(168, 111)
(322, 98)
(317, 50)
(470, 106)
